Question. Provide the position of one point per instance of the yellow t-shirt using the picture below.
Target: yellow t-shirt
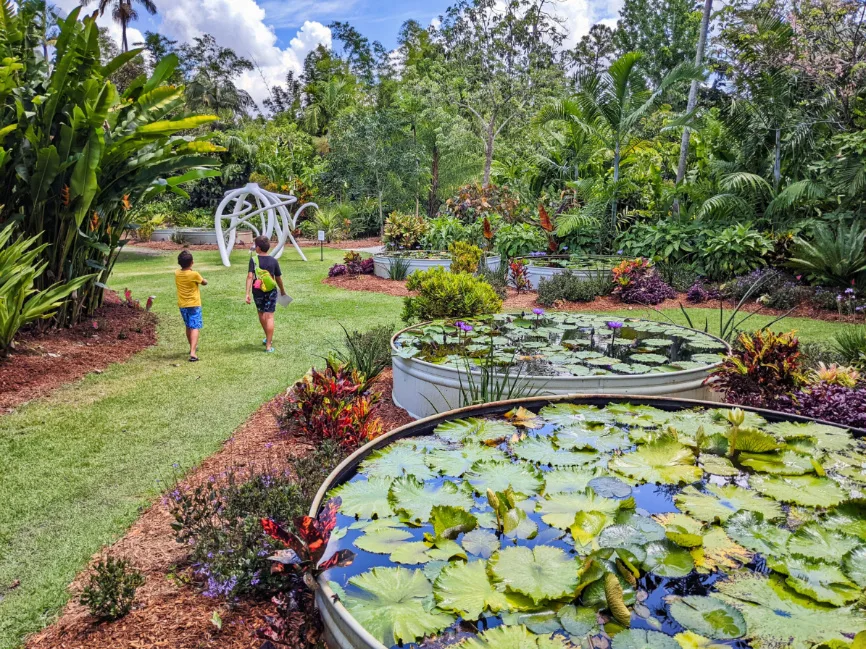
(187, 282)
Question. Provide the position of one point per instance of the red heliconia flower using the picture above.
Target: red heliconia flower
(546, 223)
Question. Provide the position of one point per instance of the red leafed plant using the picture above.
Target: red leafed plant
(517, 276)
(637, 283)
(296, 623)
(763, 368)
(333, 404)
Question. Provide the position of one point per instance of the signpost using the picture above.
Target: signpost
(321, 245)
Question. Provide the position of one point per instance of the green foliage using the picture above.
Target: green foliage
(367, 352)
(851, 345)
(736, 250)
(20, 301)
(498, 279)
(519, 239)
(443, 231)
(333, 220)
(835, 256)
(573, 288)
(403, 231)
(398, 268)
(110, 593)
(464, 257)
(442, 294)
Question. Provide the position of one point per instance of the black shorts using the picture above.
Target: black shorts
(266, 302)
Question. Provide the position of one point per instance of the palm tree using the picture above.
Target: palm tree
(123, 12)
(216, 93)
(327, 100)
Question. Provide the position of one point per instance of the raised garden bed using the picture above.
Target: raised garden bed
(419, 260)
(599, 522)
(586, 267)
(549, 353)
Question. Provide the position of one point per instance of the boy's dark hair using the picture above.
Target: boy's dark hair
(263, 243)
(184, 259)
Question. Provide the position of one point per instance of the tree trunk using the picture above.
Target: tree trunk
(693, 97)
(432, 197)
(124, 44)
(381, 215)
(777, 162)
(488, 153)
(616, 154)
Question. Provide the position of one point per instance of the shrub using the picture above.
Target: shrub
(518, 276)
(851, 345)
(566, 286)
(831, 402)
(356, 265)
(519, 239)
(680, 276)
(367, 352)
(398, 268)
(667, 241)
(333, 220)
(403, 231)
(762, 368)
(338, 269)
(498, 279)
(464, 257)
(636, 282)
(443, 231)
(776, 290)
(698, 293)
(442, 294)
(823, 298)
(199, 217)
(110, 593)
(333, 404)
(736, 250)
(473, 202)
(835, 256)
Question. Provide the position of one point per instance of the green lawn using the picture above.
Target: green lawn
(77, 467)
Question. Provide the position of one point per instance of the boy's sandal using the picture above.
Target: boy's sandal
(264, 341)
(193, 359)
(270, 350)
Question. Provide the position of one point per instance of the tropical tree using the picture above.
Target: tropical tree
(123, 12)
(211, 73)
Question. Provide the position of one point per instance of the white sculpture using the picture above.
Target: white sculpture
(273, 212)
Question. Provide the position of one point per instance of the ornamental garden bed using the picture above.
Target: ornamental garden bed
(418, 260)
(586, 267)
(439, 365)
(598, 522)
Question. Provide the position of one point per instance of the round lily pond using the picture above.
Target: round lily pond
(419, 260)
(620, 525)
(574, 262)
(550, 353)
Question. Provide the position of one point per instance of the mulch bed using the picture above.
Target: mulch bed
(43, 361)
(527, 301)
(169, 611)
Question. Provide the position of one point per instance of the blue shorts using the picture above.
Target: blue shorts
(266, 302)
(192, 317)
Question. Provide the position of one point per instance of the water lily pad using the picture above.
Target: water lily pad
(448, 522)
(578, 621)
(826, 437)
(667, 559)
(506, 637)
(664, 461)
(587, 526)
(643, 639)
(542, 450)
(602, 439)
(752, 531)
(652, 359)
(723, 502)
(498, 476)
(709, 616)
(569, 414)
(809, 491)
(558, 510)
(691, 640)
(624, 536)
(683, 530)
(475, 430)
(784, 463)
(719, 551)
(854, 565)
(456, 462)
(814, 541)
(364, 498)
(481, 543)
(819, 581)
(566, 480)
(396, 462)
(382, 541)
(540, 573)
(410, 553)
(776, 616)
(849, 518)
(717, 465)
(707, 358)
(414, 499)
(465, 589)
(395, 605)
(610, 487)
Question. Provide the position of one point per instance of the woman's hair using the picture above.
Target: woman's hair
(263, 243)
(184, 259)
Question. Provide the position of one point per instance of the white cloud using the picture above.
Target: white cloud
(579, 15)
(240, 24)
(133, 35)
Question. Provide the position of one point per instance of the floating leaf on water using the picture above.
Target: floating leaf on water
(499, 476)
(667, 559)
(809, 491)
(506, 637)
(854, 565)
(723, 502)
(819, 581)
(588, 525)
(569, 414)
(609, 487)
(784, 463)
(383, 541)
(652, 359)
(709, 616)
(464, 589)
(717, 465)
(814, 541)
(827, 438)
(601, 439)
(690, 640)
(664, 461)
(567, 480)
(415, 499)
(396, 462)
(474, 429)
(448, 522)
(578, 621)
(524, 418)
(558, 510)
(719, 551)
(643, 639)
(456, 462)
(542, 450)
(752, 440)
(394, 605)
(540, 573)
(481, 543)
(410, 553)
(542, 622)
(433, 568)
(749, 529)
(849, 518)
(364, 498)
(683, 530)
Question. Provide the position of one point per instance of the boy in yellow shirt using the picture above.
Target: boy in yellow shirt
(189, 300)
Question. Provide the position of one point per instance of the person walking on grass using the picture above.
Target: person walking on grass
(263, 279)
(189, 300)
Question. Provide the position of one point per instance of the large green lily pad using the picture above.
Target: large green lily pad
(723, 502)
(364, 498)
(819, 581)
(540, 573)
(664, 461)
(558, 510)
(750, 530)
(643, 639)
(498, 476)
(815, 541)
(465, 589)
(542, 450)
(396, 462)
(474, 429)
(456, 462)
(810, 491)
(709, 616)
(415, 499)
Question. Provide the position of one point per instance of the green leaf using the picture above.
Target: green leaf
(753, 440)
(395, 605)
(848, 518)
(809, 491)
(415, 499)
(474, 430)
(820, 581)
(588, 525)
(47, 166)
(481, 543)
(567, 480)
(602, 439)
(540, 573)
(709, 616)
(465, 589)
(445, 549)
(854, 565)
(364, 498)
(751, 531)
(395, 462)
(610, 487)
(504, 637)
(826, 437)
(410, 553)
(541, 450)
(578, 621)
(784, 463)
(448, 522)
(723, 502)
(717, 465)
(171, 126)
(382, 541)
(498, 476)
(683, 530)
(814, 541)
(569, 414)
(664, 461)
(776, 616)
(719, 551)
(558, 510)
(456, 462)
(667, 559)
(690, 640)
(643, 639)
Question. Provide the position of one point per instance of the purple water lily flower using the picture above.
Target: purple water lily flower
(538, 311)
(613, 324)
(462, 326)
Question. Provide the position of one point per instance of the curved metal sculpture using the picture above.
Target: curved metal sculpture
(239, 206)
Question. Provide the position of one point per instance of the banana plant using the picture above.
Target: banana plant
(76, 154)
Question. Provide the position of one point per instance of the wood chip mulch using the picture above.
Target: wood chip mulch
(44, 361)
(169, 611)
(528, 300)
